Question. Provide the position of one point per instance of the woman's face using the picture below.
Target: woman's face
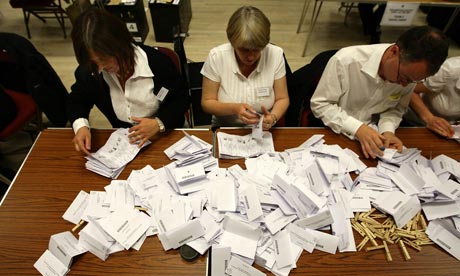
(248, 57)
(106, 63)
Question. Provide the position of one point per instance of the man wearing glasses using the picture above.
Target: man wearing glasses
(372, 84)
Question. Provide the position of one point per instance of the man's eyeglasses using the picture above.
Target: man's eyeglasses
(405, 80)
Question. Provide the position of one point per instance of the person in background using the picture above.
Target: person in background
(435, 103)
(133, 85)
(370, 19)
(246, 76)
(372, 84)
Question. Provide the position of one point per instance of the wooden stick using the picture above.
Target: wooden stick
(78, 225)
(387, 252)
(404, 250)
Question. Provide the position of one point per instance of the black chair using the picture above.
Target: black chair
(301, 86)
(42, 9)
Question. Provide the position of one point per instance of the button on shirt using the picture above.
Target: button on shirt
(445, 84)
(351, 92)
(137, 100)
(256, 90)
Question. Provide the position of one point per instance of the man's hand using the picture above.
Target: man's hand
(145, 129)
(82, 140)
(393, 142)
(440, 126)
(372, 142)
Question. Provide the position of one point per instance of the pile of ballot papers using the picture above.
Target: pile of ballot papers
(112, 158)
(269, 213)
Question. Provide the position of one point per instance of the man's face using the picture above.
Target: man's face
(397, 71)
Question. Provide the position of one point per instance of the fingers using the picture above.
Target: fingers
(248, 116)
(265, 111)
(81, 146)
(266, 126)
(440, 126)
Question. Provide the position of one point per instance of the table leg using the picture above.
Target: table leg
(306, 4)
(314, 18)
(451, 19)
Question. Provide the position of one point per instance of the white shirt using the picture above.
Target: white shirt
(137, 99)
(257, 89)
(351, 92)
(445, 101)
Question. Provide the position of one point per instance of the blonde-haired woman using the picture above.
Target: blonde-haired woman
(247, 75)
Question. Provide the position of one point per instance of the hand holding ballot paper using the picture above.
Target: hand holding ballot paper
(110, 160)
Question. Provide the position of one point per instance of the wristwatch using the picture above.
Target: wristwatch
(160, 124)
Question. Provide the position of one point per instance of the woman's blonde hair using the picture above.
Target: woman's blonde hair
(248, 28)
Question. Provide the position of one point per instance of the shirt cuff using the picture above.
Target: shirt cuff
(79, 123)
(386, 126)
(350, 127)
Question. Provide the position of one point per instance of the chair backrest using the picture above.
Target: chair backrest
(301, 86)
(26, 111)
(172, 55)
(176, 60)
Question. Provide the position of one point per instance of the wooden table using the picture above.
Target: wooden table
(54, 173)
(432, 260)
(46, 185)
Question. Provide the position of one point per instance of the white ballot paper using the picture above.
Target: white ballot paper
(236, 146)
(401, 206)
(75, 211)
(178, 236)
(65, 246)
(445, 235)
(220, 255)
(301, 237)
(276, 220)
(241, 237)
(283, 251)
(126, 226)
(49, 265)
(456, 130)
(111, 158)
(237, 267)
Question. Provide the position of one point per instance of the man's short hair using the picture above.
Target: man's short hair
(424, 43)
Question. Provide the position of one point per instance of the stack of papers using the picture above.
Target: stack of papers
(236, 146)
(191, 149)
(111, 159)
(269, 213)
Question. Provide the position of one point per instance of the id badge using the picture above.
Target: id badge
(263, 91)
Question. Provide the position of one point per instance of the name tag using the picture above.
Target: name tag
(263, 91)
(162, 94)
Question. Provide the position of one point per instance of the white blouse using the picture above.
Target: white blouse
(256, 90)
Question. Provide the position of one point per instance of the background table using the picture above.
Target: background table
(319, 3)
(46, 185)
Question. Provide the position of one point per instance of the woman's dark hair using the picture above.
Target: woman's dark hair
(104, 34)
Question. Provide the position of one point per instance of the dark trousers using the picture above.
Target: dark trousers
(370, 18)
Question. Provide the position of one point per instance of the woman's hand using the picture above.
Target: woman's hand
(270, 119)
(145, 129)
(82, 140)
(246, 113)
